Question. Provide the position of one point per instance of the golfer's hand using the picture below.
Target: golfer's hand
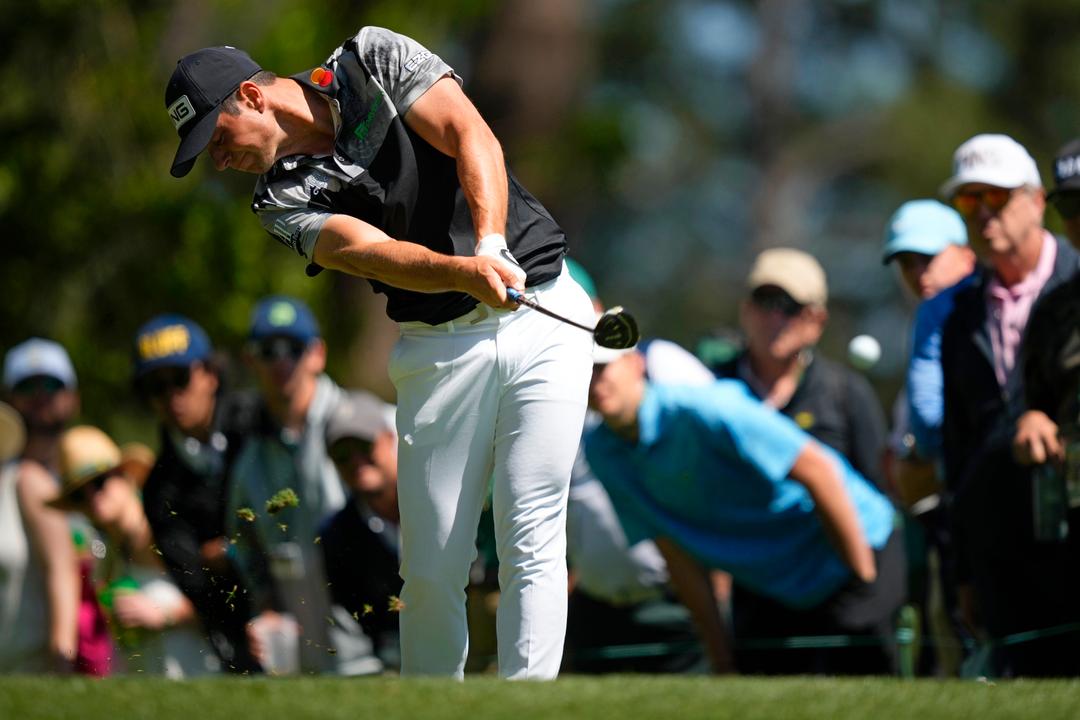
(486, 279)
(494, 246)
(1036, 441)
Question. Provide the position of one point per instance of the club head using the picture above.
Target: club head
(616, 329)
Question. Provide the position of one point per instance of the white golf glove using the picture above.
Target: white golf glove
(494, 245)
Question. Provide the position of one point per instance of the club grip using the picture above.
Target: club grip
(515, 294)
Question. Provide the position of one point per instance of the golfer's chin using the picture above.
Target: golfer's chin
(252, 163)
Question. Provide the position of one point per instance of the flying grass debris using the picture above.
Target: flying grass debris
(282, 499)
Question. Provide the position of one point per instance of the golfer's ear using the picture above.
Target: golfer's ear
(251, 95)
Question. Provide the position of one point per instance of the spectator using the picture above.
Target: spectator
(1051, 365)
(154, 623)
(721, 481)
(783, 317)
(40, 382)
(361, 542)
(283, 488)
(620, 594)
(201, 431)
(1048, 433)
(929, 225)
(39, 582)
(1066, 193)
(927, 242)
(1011, 580)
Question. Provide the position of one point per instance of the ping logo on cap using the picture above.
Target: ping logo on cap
(181, 111)
(170, 340)
(282, 314)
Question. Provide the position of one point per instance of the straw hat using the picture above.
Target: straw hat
(85, 454)
(12, 433)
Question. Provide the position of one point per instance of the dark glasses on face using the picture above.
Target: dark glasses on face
(770, 299)
(91, 488)
(162, 381)
(967, 202)
(279, 348)
(346, 449)
(1067, 204)
(38, 384)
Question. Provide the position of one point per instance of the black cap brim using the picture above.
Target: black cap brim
(194, 143)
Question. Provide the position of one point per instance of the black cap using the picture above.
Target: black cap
(201, 81)
(1067, 168)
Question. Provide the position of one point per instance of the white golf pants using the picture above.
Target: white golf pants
(502, 395)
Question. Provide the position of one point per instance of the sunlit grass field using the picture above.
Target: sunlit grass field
(626, 696)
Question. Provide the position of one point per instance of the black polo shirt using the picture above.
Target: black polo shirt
(386, 175)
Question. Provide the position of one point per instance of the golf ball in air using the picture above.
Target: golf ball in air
(864, 352)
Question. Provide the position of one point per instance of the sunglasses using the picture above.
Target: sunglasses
(90, 488)
(1067, 204)
(967, 202)
(279, 348)
(38, 384)
(163, 381)
(772, 299)
(346, 449)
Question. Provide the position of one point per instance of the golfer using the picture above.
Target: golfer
(376, 164)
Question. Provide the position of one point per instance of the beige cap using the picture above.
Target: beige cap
(795, 272)
(12, 433)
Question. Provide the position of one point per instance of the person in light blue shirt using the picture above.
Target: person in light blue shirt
(720, 481)
(926, 399)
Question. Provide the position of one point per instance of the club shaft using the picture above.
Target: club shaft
(520, 298)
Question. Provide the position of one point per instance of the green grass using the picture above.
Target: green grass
(631, 697)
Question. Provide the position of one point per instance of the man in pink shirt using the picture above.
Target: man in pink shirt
(1011, 580)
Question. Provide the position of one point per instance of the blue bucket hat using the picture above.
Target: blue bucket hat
(169, 341)
(925, 227)
(281, 316)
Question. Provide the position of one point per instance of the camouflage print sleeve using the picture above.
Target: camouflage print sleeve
(403, 67)
(285, 202)
(296, 229)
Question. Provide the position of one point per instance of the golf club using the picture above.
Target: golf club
(616, 328)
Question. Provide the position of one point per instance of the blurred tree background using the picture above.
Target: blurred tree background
(673, 139)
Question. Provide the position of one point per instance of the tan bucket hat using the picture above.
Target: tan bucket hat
(86, 453)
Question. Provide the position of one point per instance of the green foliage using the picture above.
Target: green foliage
(692, 135)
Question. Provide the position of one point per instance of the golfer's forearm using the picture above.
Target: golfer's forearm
(354, 247)
(482, 174)
(820, 477)
(448, 121)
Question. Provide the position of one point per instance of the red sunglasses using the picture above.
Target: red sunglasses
(967, 202)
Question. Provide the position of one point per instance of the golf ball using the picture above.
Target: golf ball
(864, 352)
